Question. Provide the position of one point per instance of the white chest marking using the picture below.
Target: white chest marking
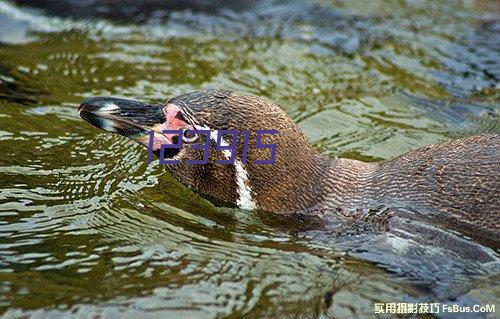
(244, 200)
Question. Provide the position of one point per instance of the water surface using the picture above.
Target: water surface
(87, 228)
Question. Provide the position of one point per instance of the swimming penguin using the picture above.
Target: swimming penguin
(455, 183)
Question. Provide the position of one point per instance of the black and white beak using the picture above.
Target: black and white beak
(125, 117)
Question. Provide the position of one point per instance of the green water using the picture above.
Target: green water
(88, 229)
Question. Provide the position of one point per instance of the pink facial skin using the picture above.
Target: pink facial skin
(171, 123)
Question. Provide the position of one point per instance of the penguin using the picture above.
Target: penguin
(454, 184)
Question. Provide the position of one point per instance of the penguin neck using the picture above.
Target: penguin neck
(309, 181)
(297, 181)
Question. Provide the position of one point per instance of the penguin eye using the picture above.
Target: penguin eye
(189, 136)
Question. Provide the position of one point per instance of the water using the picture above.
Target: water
(87, 228)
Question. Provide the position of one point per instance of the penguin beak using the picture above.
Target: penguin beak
(129, 118)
